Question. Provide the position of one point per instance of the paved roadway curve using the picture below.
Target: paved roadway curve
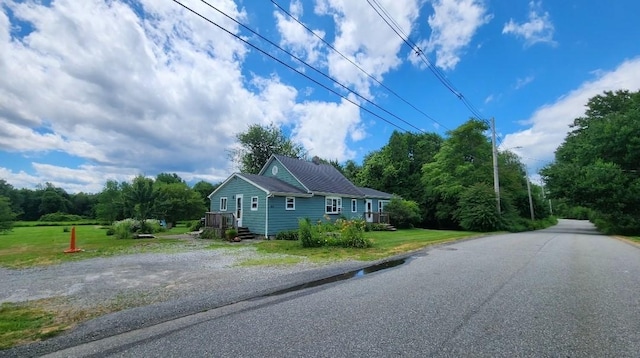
(561, 292)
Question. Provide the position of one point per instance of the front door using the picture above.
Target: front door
(368, 210)
(239, 209)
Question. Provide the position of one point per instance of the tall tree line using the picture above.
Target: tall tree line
(451, 179)
(166, 197)
(598, 165)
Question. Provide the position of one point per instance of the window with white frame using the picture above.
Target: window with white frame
(354, 205)
(381, 205)
(254, 203)
(290, 203)
(333, 205)
(223, 203)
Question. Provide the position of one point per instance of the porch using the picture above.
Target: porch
(376, 217)
(220, 222)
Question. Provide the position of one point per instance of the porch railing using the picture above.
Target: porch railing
(376, 217)
(220, 222)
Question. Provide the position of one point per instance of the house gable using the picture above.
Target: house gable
(276, 169)
(317, 178)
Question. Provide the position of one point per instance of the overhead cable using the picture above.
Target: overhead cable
(294, 69)
(356, 65)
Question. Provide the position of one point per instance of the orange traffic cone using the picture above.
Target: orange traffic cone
(72, 248)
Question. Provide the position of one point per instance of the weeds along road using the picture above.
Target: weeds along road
(560, 292)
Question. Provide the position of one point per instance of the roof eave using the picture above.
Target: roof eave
(299, 195)
(324, 193)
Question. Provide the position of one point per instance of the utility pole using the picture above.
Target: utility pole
(496, 183)
(533, 217)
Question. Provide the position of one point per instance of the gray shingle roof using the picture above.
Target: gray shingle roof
(372, 193)
(321, 178)
(272, 184)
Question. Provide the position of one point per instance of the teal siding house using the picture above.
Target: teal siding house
(288, 189)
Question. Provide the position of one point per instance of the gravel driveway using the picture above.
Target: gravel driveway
(144, 289)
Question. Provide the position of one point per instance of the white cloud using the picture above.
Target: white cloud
(161, 92)
(323, 128)
(296, 38)
(538, 28)
(521, 82)
(549, 124)
(145, 86)
(489, 99)
(453, 25)
(363, 37)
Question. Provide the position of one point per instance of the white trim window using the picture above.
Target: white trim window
(354, 205)
(333, 205)
(381, 204)
(254, 203)
(223, 203)
(290, 203)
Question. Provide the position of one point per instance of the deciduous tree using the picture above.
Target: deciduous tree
(598, 164)
(257, 145)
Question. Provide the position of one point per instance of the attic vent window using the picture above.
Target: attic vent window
(274, 170)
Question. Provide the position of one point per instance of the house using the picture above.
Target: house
(288, 189)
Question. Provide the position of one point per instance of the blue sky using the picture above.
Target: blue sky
(95, 90)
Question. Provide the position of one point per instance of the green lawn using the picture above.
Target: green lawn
(28, 246)
(19, 323)
(385, 244)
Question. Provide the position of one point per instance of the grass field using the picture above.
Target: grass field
(385, 244)
(27, 246)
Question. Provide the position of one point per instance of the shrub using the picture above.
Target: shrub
(375, 227)
(152, 227)
(306, 234)
(124, 229)
(65, 229)
(352, 234)
(7, 216)
(231, 234)
(53, 217)
(291, 235)
(195, 225)
(209, 234)
(111, 231)
(477, 209)
(403, 213)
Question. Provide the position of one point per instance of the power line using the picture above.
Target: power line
(385, 16)
(356, 65)
(312, 67)
(287, 65)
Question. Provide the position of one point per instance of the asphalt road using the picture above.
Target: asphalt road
(560, 292)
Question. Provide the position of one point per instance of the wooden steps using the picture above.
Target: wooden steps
(245, 234)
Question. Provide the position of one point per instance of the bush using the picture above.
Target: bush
(111, 231)
(7, 216)
(57, 217)
(375, 227)
(231, 234)
(306, 234)
(403, 213)
(209, 234)
(124, 229)
(344, 233)
(477, 209)
(151, 227)
(291, 235)
(195, 225)
(65, 229)
(352, 234)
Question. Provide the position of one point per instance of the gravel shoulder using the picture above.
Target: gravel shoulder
(146, 289)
